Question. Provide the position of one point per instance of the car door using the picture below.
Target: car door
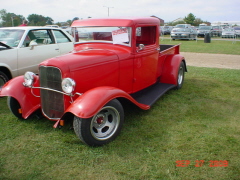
(64, 42)
(146, 59)
(44, 48)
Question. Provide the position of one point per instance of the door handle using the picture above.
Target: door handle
(57, 49)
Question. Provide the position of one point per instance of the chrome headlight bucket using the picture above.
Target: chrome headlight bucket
(68, 85)
(29, 79)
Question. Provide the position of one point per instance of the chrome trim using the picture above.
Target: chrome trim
(71, 95)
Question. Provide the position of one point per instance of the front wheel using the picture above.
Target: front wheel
(103, 127)
(181, 73)
(14, 107)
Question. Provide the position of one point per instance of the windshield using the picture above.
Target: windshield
(181, 30)
(204, 27)
(180, 26)
(216, 27)
(11, 37)
(115, 35)
(229, 29)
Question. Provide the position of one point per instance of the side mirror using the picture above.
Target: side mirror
(140, 47)
(32, 44)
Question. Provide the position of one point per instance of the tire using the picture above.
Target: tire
(3, 78)
(103, 127)
(14, 107)
(181, 74)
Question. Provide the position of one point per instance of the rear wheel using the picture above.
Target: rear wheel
(103, 127)
(181, 73)
(14, 107)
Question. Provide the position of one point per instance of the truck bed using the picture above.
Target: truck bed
(169, 49)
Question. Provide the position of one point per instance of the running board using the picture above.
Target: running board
(152, 93)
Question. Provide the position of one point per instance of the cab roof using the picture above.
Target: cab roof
(127, 22)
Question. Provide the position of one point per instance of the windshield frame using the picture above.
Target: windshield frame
(104, 33)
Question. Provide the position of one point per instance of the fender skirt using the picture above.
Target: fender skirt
(28, 102)
(88, 104)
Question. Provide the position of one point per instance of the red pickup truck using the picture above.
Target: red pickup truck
(113, 60)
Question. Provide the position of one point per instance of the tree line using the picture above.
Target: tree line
(11, 19)
(189, 19)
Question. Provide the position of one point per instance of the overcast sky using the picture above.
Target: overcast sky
(168, 10)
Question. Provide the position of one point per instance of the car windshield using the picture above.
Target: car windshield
(115, 35)
(11, 37)
(237, 28)
(229, 29)
(216, 27)
(181, 26)
(181, 30)
(204, 27)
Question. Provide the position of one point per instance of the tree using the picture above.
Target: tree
(38, 20)
(190, 19)
(10, 19)
(197, 22)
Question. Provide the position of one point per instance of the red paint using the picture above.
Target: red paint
(105, 71)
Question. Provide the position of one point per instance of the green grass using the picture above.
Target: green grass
(216, 46)
(198, 122)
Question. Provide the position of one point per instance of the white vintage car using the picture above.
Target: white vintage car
(23, 48)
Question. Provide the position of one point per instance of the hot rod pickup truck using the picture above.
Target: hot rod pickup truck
(112, 60)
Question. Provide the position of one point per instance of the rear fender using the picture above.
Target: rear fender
(170, 69)
(28, 102)
(88, 104)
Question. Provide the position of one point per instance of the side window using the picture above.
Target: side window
(61, 37)
(146, 35)
(41, 37)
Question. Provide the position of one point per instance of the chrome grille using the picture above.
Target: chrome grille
(52, 102)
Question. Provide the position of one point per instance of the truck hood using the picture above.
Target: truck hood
(81, 59)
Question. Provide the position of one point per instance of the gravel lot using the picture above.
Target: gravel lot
(212, 60)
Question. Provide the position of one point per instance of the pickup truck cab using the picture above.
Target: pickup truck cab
(23, 48)
(113, 59)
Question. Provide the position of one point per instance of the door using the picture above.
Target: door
(30, 56)
(146, 59)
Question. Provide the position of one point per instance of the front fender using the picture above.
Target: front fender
(22, 94)
(88, 104)
(170, 69)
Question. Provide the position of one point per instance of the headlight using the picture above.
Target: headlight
(68, 85)
(28, 78)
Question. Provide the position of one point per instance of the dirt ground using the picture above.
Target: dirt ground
(212, 60)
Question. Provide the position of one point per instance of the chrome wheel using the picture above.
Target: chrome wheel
(105, 123)
(180, 75)
(103, 127)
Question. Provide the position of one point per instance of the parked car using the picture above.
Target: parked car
(23, 48)
(202, 30)
(237, 30)
(216, 31)
(228, 33)
(121, 61)
(166, 29)
(183, 33)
